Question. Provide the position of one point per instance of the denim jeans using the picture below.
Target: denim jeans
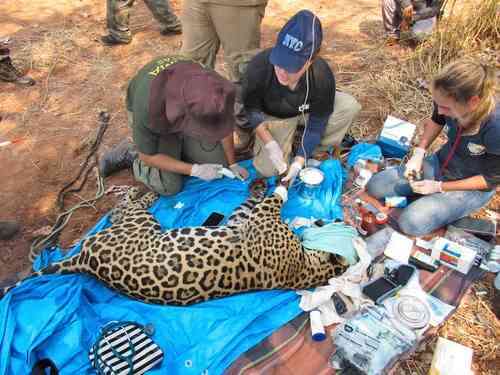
(429, 212)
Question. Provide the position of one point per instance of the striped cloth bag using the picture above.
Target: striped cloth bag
(125, 348)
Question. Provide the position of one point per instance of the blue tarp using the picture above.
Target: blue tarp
(365, 151)
(59, 316)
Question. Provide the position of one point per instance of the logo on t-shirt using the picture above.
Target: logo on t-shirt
(293, 43)
(476, 149)
(304, 107)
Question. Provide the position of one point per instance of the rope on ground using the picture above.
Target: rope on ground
(103, 125)
(40, 243)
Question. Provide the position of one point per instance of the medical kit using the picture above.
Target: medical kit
(395, 137)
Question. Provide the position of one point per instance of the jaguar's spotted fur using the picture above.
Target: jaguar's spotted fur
(254, 251)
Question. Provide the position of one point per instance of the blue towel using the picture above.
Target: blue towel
(335, 238)
(59, 316)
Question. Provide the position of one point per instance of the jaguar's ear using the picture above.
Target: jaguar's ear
(133, 193)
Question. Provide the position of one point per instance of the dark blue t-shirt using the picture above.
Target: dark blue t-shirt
(477, 154)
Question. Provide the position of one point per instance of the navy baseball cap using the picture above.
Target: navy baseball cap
(294, 46)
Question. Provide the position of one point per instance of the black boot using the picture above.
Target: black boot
(8, 73)
(8, 229)
(173, 27)
(120, 157)
(110, 41)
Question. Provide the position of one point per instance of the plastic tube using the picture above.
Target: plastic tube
(317, 329)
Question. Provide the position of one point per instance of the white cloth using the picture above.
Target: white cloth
(348, 284)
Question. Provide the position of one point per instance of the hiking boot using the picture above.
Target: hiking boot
(8, 229)
(110, 41)
(174, 28)
(8, 73)
(120, 157)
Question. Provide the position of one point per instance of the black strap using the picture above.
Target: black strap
(42, 365)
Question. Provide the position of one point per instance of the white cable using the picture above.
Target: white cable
(302, 108)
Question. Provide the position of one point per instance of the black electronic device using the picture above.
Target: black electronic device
(482, 228)
(339, 304)
(424, 261)
(388, 285)
(380, 289)
(213, 220)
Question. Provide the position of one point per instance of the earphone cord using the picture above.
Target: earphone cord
(302, 108)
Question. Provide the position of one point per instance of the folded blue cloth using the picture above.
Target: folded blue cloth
(335, 238)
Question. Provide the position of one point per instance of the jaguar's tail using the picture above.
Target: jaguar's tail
(69, 265)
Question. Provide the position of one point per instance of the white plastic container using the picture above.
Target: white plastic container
(454, 255)
(317, 329)
(311, 179)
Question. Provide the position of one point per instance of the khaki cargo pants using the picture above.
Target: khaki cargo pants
(182, 148)
(208, 26)
(118, 15)
(345, 110)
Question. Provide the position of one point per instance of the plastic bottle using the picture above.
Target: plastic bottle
(317, 329)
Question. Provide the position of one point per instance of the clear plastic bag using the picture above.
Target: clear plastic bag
(371, 341)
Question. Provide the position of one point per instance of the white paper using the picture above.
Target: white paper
(451, 358)
(349, 284)
(399, 248)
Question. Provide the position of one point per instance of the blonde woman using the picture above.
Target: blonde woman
(462, 176)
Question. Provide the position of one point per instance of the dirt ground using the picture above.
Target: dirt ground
(56, 41)
(54, 121)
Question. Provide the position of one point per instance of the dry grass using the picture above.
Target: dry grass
(384, 85)
(473, 325)
(399, 86)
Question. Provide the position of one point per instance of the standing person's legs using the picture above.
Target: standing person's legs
(238, 29)
(391, 17)
(117, 18)
(162, 12)
(200, 41)
(346, 108)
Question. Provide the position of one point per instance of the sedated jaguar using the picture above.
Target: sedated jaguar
(255, 250)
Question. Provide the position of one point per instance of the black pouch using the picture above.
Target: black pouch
(388, 285)
(125, 348)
